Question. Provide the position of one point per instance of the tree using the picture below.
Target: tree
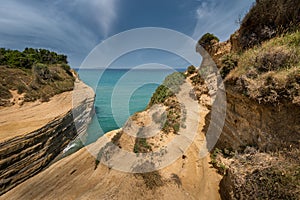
(207, 40)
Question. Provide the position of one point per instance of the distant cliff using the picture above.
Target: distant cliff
(24, 156)
(36, 122)
(35, 74)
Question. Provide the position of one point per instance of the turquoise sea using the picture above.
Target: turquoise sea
(119, 94)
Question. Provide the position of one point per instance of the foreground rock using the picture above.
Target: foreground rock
(83, 175)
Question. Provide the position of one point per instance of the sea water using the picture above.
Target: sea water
(119, 94)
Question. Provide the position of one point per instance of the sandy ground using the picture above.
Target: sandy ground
(20, 120)
(76, 177)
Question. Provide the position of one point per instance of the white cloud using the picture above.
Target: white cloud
(218, 17)
(72, 27)
(103, 12)
(205, 9)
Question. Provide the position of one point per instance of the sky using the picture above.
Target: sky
(75, 27)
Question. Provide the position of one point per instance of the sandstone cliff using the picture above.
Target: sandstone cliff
(99, 171)
(34, 134)
(258, 149)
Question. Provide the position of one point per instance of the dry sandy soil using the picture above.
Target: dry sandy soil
(77, 177)
(21, 120)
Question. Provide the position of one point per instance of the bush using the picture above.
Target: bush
(21, 88)
(44, 98)
(191, 70)
(4, 93)
(160, 95)
(26, 59)
(229, 62)
(41, 78)
(197, 80)
(273, 59)
(42, 73)
(170, 86)
(152, 180)
(207, 40)
(268, 18)
(141, 146)
(176, 127)
(66, 67)
(174, 81)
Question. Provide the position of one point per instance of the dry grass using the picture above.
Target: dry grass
(40, 82)
(268, 19)
(256, 175)
(271, 72)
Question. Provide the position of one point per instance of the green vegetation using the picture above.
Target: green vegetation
(229, 62)
(173, 121)
(216, 162)
(170, 86)
(191, 70)
(270, 72)
(141, 146)
(160, 95)
(38, 74)
(267, 19)
(207, 40)
(28, 57)
(174, 81)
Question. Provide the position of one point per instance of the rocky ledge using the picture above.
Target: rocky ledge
(25, 154)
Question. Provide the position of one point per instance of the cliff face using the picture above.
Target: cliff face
(24, 156)
(262, 91)
(101, 170)
(258, 150)
(267, 127)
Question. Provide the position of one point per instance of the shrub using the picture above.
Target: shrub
(4, 92)
(207, 40)
(141, 146)
(191, 70)
(21, 88)
(152, 180)
(174, 81)
(170, 86)
(176, 127)
(273, 59)
(41, 78)
(229, 62)
(42, 73)
(197, 80)
(26, 59)
(176, 179)
(268, 18)
(160, 95)
(66, 67)
(44, 98)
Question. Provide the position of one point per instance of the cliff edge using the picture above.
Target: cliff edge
(37, 102)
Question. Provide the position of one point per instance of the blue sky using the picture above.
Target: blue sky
(76, 27)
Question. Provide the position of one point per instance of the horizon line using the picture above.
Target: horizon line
(93, 68)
